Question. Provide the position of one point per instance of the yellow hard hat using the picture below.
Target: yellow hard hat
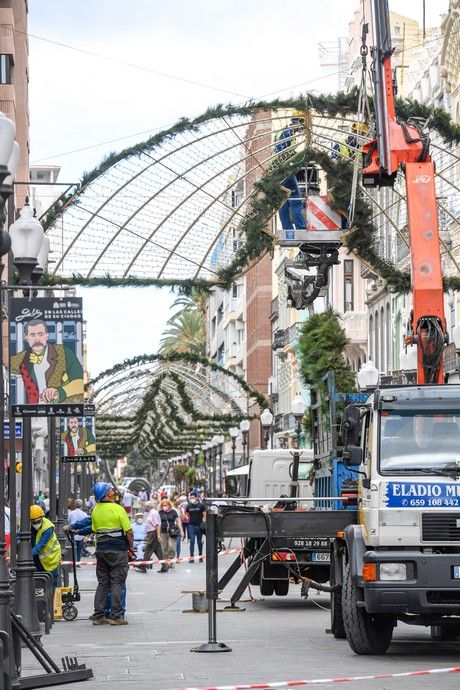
(36, 512)
(298, 114)
(359, 127)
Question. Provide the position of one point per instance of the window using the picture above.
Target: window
(348, 298)
(220, 312)
(235, 291)
(5, 68)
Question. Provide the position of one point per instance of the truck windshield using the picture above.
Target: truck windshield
(417, 441)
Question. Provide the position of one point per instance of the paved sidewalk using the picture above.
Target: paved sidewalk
(281, 638)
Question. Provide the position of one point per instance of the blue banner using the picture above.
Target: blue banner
(422, 495)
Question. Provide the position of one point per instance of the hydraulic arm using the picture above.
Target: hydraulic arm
(403, 146)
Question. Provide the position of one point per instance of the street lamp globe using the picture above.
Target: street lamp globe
(368, 375)
(298, 406)
(7, 141)
(266, 418)
(234, 432)
(220, 440)
(26, 242)
(215, 441)
(244, 425)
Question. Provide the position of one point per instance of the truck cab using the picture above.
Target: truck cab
(402, 560)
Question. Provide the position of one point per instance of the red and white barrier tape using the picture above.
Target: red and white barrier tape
(184, 559)
(322, 681)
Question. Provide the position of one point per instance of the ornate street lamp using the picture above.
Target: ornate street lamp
(215, 446)
(9, 157)
(220, 446)
(196, 453)
(266, 419)
(26, 244)
(234, 433)
(298, 408)
(244, 428)
(368, 376)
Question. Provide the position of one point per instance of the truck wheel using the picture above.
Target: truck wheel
(367, 633)
(444, 632)
(281, 587)
(266, 587)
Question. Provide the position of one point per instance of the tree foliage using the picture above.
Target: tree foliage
(322, 343)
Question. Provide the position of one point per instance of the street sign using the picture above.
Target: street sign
(79, 458)
(74, 410)
(17, 429)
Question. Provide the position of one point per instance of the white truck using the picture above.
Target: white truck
(401, 560)
(289, 555)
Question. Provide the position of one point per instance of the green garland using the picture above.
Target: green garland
(270, 196)
(186, 425)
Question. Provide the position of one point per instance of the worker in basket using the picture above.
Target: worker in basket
(46, 550)
(292, 211)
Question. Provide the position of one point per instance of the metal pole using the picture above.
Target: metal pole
(6, 595)
(212, 591)
(52, 467)
(24, 601)
(214, 470)
(12, 491)
(221, 469)
(61, 503)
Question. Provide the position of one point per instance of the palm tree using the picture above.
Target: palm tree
(186, 333)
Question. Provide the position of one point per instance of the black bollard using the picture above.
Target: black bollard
(211, 585)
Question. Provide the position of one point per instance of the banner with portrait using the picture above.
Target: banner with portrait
(46, 356)
(78, 439)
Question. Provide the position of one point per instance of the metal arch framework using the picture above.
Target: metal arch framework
(172, 211)
(164, 406)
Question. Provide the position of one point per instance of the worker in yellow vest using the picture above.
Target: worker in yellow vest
(114, 539)
(46, 549)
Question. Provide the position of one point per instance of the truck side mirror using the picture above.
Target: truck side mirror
(352, 455)
(351, 426)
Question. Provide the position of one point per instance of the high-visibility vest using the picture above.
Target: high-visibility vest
(290, 139)
(50, 555)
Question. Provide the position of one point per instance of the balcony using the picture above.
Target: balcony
(279, 340)
(355, 325)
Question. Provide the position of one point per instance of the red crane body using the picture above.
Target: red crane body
(402, 146)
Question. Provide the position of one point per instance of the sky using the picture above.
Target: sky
(84, 103)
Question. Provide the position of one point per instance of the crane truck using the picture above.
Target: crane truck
(401, 560)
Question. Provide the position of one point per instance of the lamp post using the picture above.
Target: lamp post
(9, 157)
(196, 453)
(220, 447)
(298, 408)
(368, 376)
(215, 445)
(266, 419)
(26, 243)
(244, 428)
(234, 433)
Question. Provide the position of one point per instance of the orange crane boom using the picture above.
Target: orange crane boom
(403, 146)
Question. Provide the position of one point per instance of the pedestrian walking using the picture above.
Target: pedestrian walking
(74, 516)
(139, 535)
(153, 538)
(143, 498)
(171, 527)
(197, 514)
(46, 550)
(184, 516)
(114, 539)
(127, 501)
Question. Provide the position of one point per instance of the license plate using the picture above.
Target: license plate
(456, 572)
(308, 542)
(320, 557)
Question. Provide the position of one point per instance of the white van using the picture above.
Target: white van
(269, 475)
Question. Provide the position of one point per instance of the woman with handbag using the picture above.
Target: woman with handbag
(171, 528)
